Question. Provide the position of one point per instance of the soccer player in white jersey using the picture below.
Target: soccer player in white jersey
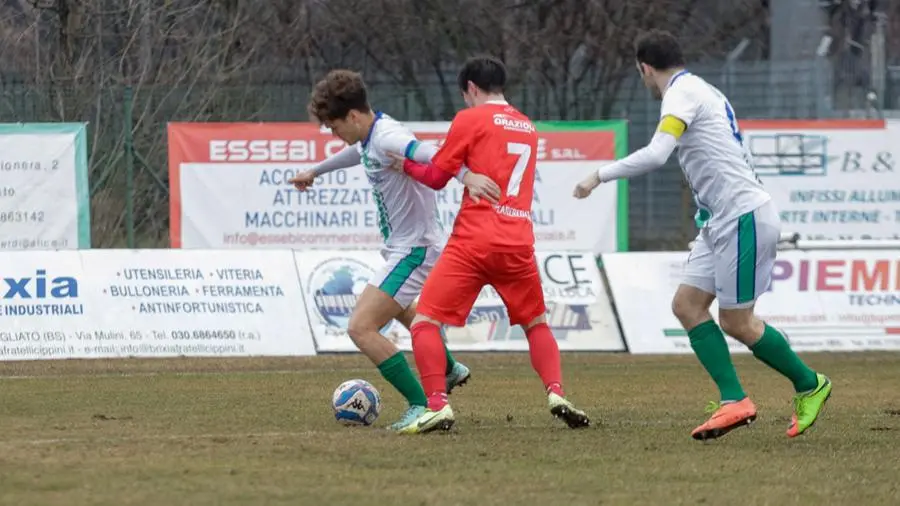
(407, 218)
(733, 255)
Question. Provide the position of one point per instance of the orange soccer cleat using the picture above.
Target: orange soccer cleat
(725, 418)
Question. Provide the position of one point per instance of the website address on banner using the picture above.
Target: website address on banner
(869, 319)
(119, 350)
(554, 235)
(164, 349)
(271, 239)
(282, 239)
(34, 351)
(34, 243)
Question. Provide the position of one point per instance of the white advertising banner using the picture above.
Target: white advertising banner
(230, 188)
(44, 196)
(831, 179)
(823, 300)
(578, 308)
(151, 303)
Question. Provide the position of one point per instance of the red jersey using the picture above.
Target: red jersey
(498, 141)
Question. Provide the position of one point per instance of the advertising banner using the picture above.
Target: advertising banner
(229, 188)
(151, 303)
(823, 300)
(578, 308)
(44, 196)
(831, 179)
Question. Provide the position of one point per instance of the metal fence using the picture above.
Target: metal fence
(127, 139)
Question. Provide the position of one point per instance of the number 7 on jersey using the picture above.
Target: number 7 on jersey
(523, 151)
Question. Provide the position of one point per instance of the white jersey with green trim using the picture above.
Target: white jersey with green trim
(711, 151)
(407, 210)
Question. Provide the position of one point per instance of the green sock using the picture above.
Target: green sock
(711, 349)
(398, 373)
(450, 360)
(773, 350)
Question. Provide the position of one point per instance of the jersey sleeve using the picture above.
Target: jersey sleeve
(455, 150)
(345, 158)
(427, 174)
(678, 111)
(642, 161)
(396, 140)
(403, 142)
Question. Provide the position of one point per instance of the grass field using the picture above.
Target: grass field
(260, 431)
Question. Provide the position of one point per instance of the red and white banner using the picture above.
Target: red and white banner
(831, 179)
(229, 188)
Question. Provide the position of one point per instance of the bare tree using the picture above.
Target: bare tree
(212, 60)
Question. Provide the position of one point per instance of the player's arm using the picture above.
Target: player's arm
(449, 161)
(347, 157)
(649, 158)
(446, 163)
(422, 152)
(417, 156)
(427, 174)
(479, 185)
(677, 113)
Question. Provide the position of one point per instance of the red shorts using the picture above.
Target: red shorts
(460, 273)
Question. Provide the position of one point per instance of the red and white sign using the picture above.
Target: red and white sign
(229, 188)
(831, 179)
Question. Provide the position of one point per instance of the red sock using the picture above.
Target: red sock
(545, 357)
(431, 360)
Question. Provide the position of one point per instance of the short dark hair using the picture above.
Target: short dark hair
(340, 92)
(659, 49)
(486, 72)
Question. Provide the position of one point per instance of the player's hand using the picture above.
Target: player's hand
(586, 186)
(481, 187)
(303, 180)
(396, 161)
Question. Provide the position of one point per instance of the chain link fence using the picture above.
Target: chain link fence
(127, 131)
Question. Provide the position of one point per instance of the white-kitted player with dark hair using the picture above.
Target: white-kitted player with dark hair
(733, 256)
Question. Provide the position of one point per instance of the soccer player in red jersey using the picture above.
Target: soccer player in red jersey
(492, 241)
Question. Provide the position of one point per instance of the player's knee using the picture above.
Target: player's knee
(739, 324)
(539, 320)
(688, 312)
(420, 318)
(691, 306)
(358, 328)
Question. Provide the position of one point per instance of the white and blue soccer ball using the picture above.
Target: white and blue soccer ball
(356, 402)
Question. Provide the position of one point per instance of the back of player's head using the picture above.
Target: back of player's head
(659, 49)
(340, 92)
(485, 72)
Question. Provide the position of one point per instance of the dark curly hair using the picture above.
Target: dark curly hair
(340, 92)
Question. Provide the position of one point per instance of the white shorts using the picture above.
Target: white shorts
(734, 260)
(405, 271)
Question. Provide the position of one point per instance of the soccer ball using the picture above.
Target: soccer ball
(356, 402)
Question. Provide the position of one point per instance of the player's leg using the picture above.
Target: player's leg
(447, 297)
(458, 374)
(378, 305)
(744, 272)
(691, 306)
(516, 278)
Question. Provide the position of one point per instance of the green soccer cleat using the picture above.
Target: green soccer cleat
(567, 412)
(419, 420)
(408, 421)
(458, 376)
(808, 406)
